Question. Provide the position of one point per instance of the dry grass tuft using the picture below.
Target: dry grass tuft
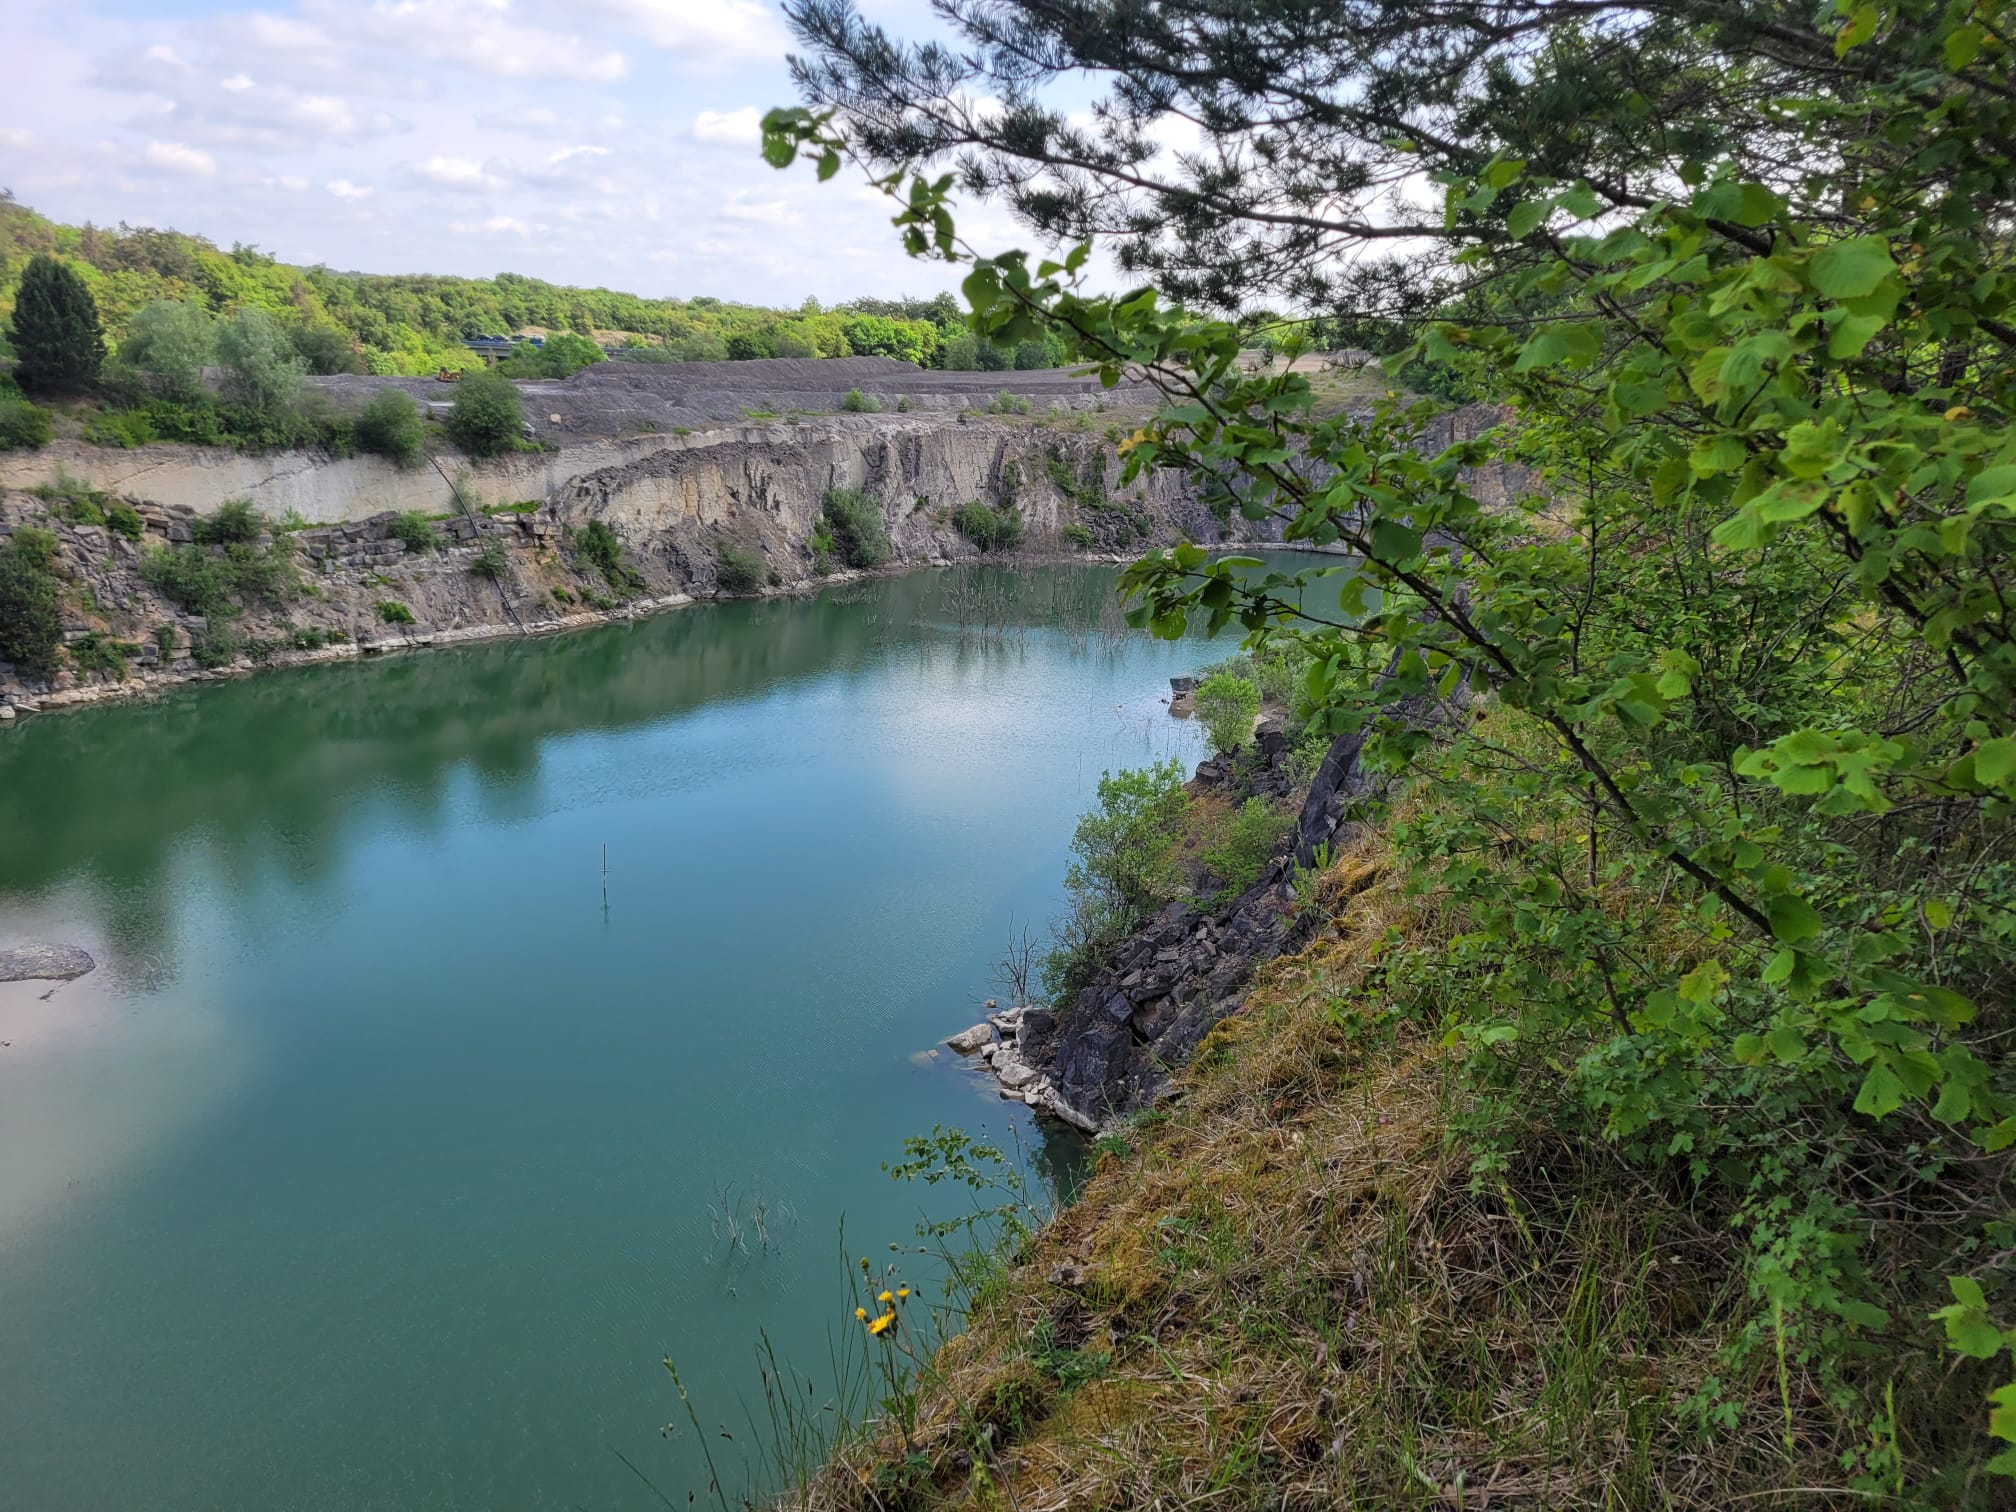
(1289, 1292)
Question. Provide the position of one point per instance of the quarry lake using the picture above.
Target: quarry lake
(372, 1167)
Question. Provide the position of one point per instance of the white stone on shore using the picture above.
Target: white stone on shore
(1016, 1074)
(969, 1040)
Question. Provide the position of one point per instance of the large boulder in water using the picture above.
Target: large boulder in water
(44, 963)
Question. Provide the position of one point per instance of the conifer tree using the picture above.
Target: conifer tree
(58, 342)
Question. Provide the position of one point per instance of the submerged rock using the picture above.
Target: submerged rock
(44, 963)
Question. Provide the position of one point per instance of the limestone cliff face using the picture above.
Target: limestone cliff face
(674, 502)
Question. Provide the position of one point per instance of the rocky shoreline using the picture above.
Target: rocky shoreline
(1115, 1048)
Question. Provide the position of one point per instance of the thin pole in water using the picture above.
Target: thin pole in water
(605, 878)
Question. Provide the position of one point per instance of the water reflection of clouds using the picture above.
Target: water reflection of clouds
(95, 1074)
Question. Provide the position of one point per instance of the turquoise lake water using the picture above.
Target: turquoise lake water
(372, 1167)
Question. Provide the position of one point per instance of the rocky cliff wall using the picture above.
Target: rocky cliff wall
(674, 504)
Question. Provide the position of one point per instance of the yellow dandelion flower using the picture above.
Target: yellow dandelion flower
(902, 1291)
(885, 1298)
(881, 1324)
(860, 1312)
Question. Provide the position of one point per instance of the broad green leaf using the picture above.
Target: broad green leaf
(1582, 203)
(1882, 1093)
(1792, 918)
(1811, 447)
(1576, 342)
(1852, 268)
(1525, 217)
(1395, 543)
(1969, 1330)
(1867, 1314)
(1995, 761)
(1859, 28)
(1786, 1043)
(1852, 333)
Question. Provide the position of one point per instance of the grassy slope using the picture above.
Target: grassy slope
(1287, 1291)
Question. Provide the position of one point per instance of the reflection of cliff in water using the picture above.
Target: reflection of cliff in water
(259, 773)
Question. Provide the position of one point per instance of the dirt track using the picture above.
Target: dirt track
(618, 398)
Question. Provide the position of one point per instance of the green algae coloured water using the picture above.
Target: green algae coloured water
(373, 1167)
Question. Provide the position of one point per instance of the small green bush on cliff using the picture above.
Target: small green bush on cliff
(1242, 844)
(31, 597)
(23, 426)
(1120, 872)
(491, 560)
(488, 417)
(235, 521)
(858, 532)
(392, 612)
(123, 519)
(390, 426)
(989, 529)
(1227, 704)
(740, 570)
(596, 544)
(858, 403)
(411, 530)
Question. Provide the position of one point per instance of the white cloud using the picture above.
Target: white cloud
(343, 189)
(236, 82)
(176, 158)
(323, 113)
(456, 173)
(14, 136)
(699, 30)
(470, 34)
(734, 128)
(496, 225)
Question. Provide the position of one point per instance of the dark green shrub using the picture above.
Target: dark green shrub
(31, 623)
(23, 426)
(488, 417)
(171, 340)
(262, 376)
(1121, 872)
(596, 544)
(491, 561)
(989, 529)
(324, 349)
(164, 641)
(859, 535)
(740, 570)
(392, 612)
(1079, 536)
(189, 577)
(124, 429)
(215, 644)
(98, 652)
(411, 530)
(235, 522)
(259, 574)
(1008, 402)
(390, 426)
(858, 403)
(823, 547)
(58, 343)
(1228, 705)
(562, 356)
(1243, 844)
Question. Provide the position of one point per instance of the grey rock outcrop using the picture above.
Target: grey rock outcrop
(45, 963)
(1111, 1051)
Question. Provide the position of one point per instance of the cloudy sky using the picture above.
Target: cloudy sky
(607, 142)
